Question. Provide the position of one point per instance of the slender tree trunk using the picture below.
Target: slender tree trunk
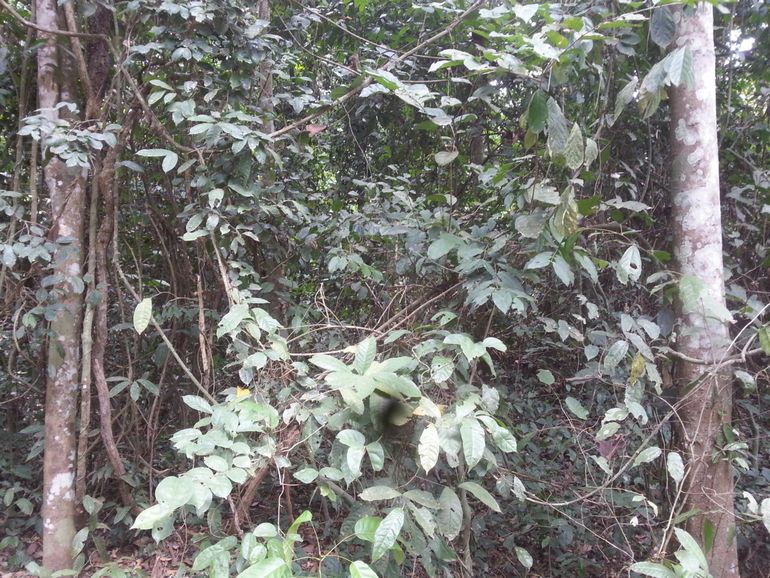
(706, 389)
(66, 188)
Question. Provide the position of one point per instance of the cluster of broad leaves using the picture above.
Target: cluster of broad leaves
(402, 424)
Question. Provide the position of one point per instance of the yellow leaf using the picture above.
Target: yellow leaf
(241, 392)
(637, 369)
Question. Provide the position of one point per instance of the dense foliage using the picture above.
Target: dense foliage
(378, 288)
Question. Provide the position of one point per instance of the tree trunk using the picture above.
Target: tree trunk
(706, 388)
(66, 187)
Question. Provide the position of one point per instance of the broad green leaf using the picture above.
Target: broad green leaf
(558, 128)
(376, 454)
(387, 533)
(573, 150)
(351, 438)
(481, 494)
(764, 339)
(206, 557)
(652, 569)
(675, 467)
(197, 403)
(450, 516)
(662, 26)
(156, 153)
(152, 517)
(524, 557)
(365, 354)
(576, 407)
(306, 475)
(445, 157)
(232, 319)
(563, 270)
(354, 457)
(174, 492)
(607, 431)
(647, 455)
(442, 246)
(143, 315)
(615, 354)
(537, 112)
(366, 527)
(216, 463)
(328, 363)
(545, 376)
(424, 517)
(271, 567)
(630, 265)
(377, 493)
(441, 368)
(360, 569)
(472, 435)
(169, 162)
(539, 261)
(423, 498)
(428, 448)
(691, 546)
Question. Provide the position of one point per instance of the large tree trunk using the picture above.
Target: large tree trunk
(66, 187)
(706, 388)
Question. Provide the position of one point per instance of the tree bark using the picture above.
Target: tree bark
(66, 187)
(706, 389)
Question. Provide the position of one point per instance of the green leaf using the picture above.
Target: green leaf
(709, 534)
(652, 569)
(691, 546)
(143, 315)
(351, 438)
(207, 556)
(445, 157)
(366, 527)
(152, 517)
(376, 454)
(764, 339)
(647, 455)
(428, 448)
(563, 270)
(442, 246)
(607, 431)
(558, 128)
(573, 150)
(441, 368)
(377, 493)
(450, 516)
(360, 569)
(615, 354)
(174, 492)
(675, 467)
(387, 533)
(272, 567)
(481, 494)
(576, 407)
(328, 363)
(365, 354)
(545, 376)
(154, 153)
(197, 403)
(472, 435)
(662, 26)
(169, 161)
(524, 557)
(630, 265)
(306, 475)
(537, 112)
(232, 319)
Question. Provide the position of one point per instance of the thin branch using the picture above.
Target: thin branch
(391, 64)
(54, 31)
